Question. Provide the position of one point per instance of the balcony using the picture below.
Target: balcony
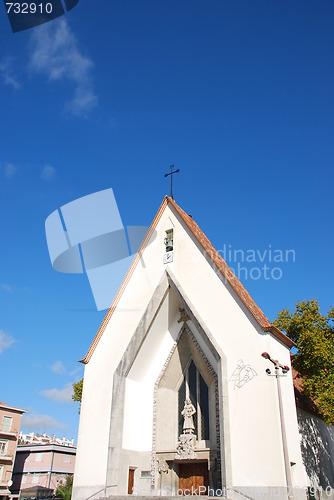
(8, 433)
(8, 459)
(4, 491)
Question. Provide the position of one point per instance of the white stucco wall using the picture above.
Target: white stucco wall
(254, 427)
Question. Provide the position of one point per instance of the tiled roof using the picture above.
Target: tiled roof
(230, 277)
(218, 261)
(303, 402)
(12, 408)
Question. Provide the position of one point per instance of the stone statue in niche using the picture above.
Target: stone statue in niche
(187, 440)
(187, 413)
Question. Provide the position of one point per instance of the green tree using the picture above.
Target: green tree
(77, 392)
(313, 334)
(64, 491)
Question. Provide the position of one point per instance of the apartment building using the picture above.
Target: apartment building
(40, 468)
(10, 421)
(32, 438)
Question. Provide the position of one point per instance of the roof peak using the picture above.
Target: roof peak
(225, 271)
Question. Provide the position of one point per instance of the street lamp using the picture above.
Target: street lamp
(285, 370)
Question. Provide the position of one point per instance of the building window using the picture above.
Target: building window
(145, 474)
(35, 478)
(38, 457)
(3, 446)
(7, 424)
(1, 472)
(67, 458)
(24, 479)
(195, 388)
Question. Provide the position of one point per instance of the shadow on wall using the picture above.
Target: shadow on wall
(317, 447)
(19, 464)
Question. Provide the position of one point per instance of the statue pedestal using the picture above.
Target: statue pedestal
(186, 447)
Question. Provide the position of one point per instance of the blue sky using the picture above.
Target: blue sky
(237, 94)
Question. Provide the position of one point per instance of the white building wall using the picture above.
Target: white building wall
(253, 409)
(254, 434)
(143, 375)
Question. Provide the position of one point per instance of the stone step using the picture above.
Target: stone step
(165, 497)
(162, 497)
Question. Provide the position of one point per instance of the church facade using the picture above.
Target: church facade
(176, 398)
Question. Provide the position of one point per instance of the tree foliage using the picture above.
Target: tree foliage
(313, 334)
(77, 392)
(64, 491)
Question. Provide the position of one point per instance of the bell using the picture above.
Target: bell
(169, 240)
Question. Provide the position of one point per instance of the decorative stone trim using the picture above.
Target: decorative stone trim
(213, 373)
(186, 447)
(154, 461)
(184, 315)
(162, 466)
(155, 397)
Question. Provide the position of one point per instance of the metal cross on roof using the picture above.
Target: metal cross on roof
(172, 172)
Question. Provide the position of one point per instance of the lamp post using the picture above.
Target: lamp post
(285, 370)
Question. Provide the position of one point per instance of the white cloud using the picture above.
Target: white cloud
(63, 395)
(13, 288)
(6, 73)
(9, 170)
(5, 341)
(35, 422)
(55, 53)
(48, 173)
(58, 367)
(84, 101)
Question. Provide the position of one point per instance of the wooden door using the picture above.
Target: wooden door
(131, 481)
(192, 476)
